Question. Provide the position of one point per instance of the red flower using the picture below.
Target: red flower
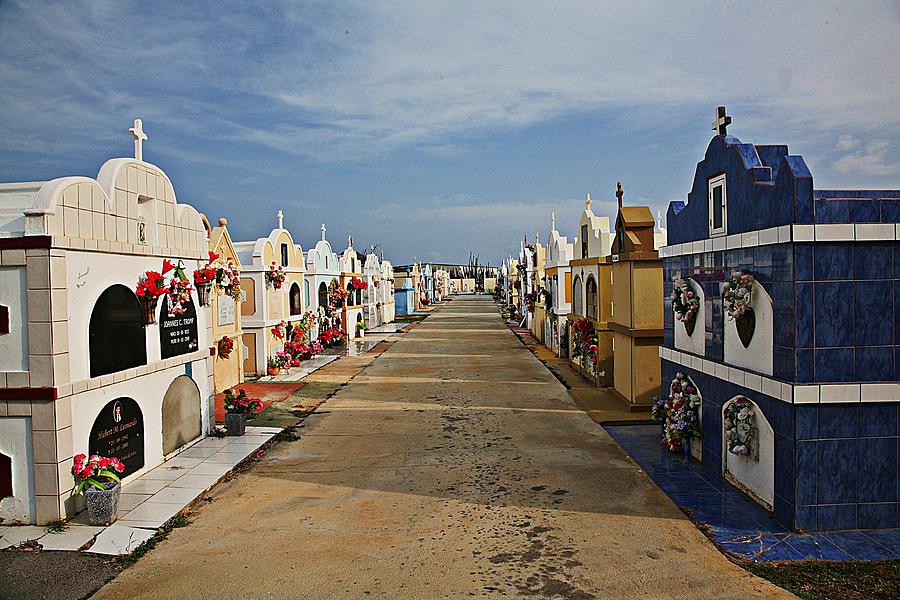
(77, 467)
(87, 472)
(80, 458)
(167, 266)
(119, 467)
(103, 462)
(212, 256)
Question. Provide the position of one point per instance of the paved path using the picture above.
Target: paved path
(452, 466)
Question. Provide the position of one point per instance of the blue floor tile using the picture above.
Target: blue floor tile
(738, 524)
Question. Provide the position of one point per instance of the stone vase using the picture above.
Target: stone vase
(203, 290)
(235, 423)
(102, 505)
(148, 303)
(746, 325)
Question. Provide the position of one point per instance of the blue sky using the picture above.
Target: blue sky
(436, 129)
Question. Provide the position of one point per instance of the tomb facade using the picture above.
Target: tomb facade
(803, 339)
(558, 275)
(85, 364)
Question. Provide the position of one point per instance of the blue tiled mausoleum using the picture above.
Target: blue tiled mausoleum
(822, 365)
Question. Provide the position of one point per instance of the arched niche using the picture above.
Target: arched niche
(576, 297)
(323, 295)
(758, 356)
(296, 300)
(753, 473)
(118, 431)
(696, 342)
(696, 444)
(117, 339)
(590, 298)
(181, 416)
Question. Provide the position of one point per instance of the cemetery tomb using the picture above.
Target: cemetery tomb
(227, 306)
(791, 282)
(88, 358)
(559, 281)
(273, 269)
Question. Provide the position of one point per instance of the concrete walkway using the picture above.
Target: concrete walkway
(454, 465)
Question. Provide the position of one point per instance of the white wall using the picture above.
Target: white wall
(757, 477)
(696, 342)
(759, 354)
(16, 442)
(14, 345)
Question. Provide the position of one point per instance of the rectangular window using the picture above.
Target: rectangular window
(284, 255)
(718, 202)
(584, 241)
(4, 319)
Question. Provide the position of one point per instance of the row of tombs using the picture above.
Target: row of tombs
(124, 313)
(761, 328)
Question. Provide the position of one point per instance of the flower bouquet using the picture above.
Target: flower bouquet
(97, 478)
(685, 304)
(275, 276)
(179, 288)
(741, 434)
(279, 331)
(359, 284)
(151, 286)
(678, 414)
(226, 346)
(736, 295)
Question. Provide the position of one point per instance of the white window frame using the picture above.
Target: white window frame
(714, 182)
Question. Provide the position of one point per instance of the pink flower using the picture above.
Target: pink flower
(80, 458)
(119, 467)
(77, 468)
(87, 472)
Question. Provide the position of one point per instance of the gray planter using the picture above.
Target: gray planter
(102, 505)
(235, 423)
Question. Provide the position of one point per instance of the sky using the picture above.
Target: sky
(436, 129)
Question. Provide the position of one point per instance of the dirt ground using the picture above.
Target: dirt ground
(452, 465)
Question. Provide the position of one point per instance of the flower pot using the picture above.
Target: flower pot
(273, 371)
(235, 423)
(102, 505)
(148, 303)
(689, 326)
(203, 290)
(295, 362)
(746, 325)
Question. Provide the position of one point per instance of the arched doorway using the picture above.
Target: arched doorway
(296, 302)
(590, 298)
(323, 295)
(116, 332)
(181, 417)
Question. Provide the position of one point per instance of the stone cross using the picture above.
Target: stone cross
(619, 192)
(350, 241)
(280, 219)
(553, 220)
(722, 121)
(587, 203)
(137, 132)
(323, 232)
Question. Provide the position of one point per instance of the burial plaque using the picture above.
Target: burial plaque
(180, 414)
(225, 305)
(119, 431)
(177, 333)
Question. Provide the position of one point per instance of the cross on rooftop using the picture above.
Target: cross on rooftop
(350, 241)
(137, 132)
(722, 121)
(587, 203)
(553, 220)
(619, 192)
(280, 219)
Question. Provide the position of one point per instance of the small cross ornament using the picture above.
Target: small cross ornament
(280, 220)
(323, 232)
(587, 203)
(553, 220)
(722, 121)
(619, 192)
(137, 132)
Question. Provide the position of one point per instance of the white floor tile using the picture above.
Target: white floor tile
(144, 486)
(152, 512)
(213, 442)
(197, 482)
(127, 500)
(183, 462)
(165, 473)
(182, 496)
(209, 469)
(198, 452)
(72, 538)
(120, 539)
(16, 534)
(226, 458)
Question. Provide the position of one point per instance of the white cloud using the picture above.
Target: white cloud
(872, 160)
(847, 142)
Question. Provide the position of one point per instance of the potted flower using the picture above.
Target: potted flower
(203, 281)
(179, 288)
(237, 407)
(360, 329)
(151, 286)
(736, 295)
(685, 304)
(275, 276)
(97, 478)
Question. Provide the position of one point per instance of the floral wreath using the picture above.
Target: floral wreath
(736, 294)
(741, 433)
(275, 276)
(679, 413)
(685, 303)
(152, 284)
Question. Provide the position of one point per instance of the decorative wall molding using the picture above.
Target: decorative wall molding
(787, 392)
(831, 232)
